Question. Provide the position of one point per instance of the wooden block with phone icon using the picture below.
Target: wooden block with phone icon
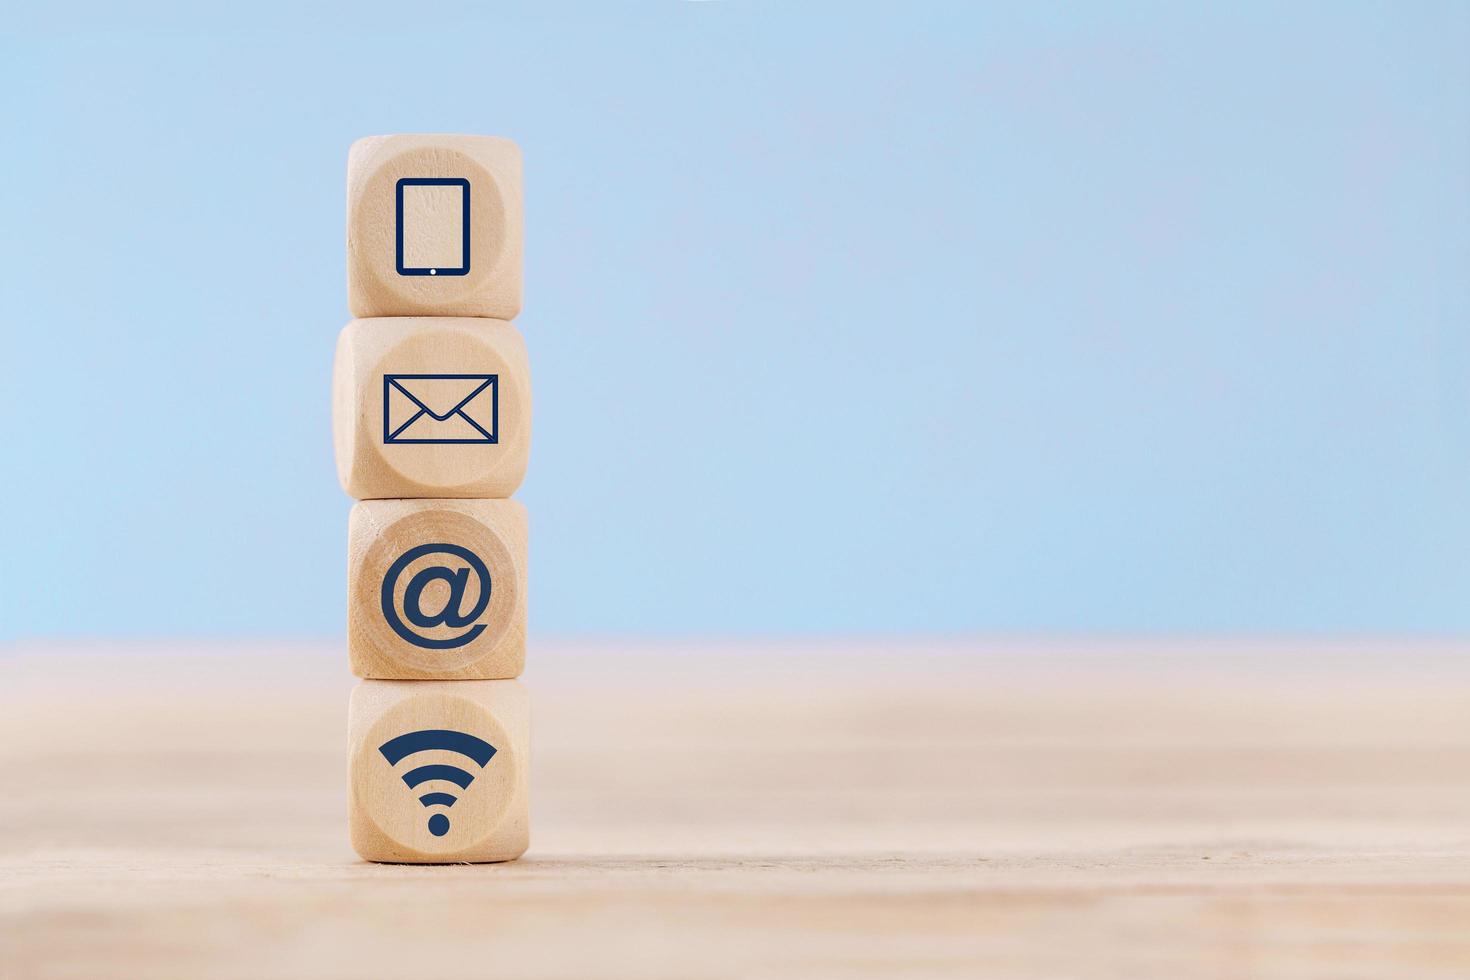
(431, 407)
(436, 589)
(434, 226)
(437, 771)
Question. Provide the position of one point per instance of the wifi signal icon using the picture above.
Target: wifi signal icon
(477, 750)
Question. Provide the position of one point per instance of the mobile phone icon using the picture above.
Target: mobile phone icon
(433, 226)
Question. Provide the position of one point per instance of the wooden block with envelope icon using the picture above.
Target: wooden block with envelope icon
(431, 407)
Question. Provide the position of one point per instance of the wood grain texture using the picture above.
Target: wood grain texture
(492, 168)
(421, 413)
(860, 809)
(490, 596)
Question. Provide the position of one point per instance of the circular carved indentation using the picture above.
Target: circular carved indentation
(437, 741)
(436, 590)
(373, 229)
(444, 410)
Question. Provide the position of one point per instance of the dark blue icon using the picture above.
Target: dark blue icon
(452, 615)
(477, 750)
(463, 269)
(441, 409)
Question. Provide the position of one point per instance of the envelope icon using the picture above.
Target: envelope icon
(441, 409)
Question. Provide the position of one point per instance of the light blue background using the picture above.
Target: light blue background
(936, 319)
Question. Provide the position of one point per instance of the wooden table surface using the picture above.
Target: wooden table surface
(760, 809)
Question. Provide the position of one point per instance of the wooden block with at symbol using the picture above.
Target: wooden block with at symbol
(431, 407)
(434, 226)
(437, 771)
(436, 589)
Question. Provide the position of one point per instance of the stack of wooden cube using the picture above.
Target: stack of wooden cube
(432, 425)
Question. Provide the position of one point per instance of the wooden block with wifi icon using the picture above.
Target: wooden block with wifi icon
(437, 771)
(434, 226)
(431, 407)
(436, 589)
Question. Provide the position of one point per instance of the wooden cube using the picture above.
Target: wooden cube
(437, 771)
(431, 407)
(434, 226)
(436, 589)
